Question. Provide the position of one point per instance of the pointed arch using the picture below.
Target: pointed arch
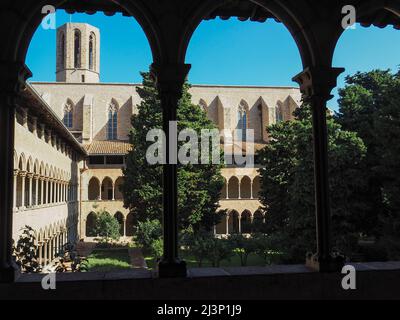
(94, 189)
(68, 112)
(77, 48)
(112, 124)
(203, 105)
(120, 218)
(91, 51)
(242, 120)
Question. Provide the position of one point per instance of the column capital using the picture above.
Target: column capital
(170, 78)
(318, 81)
(23, 173)
(16, 172)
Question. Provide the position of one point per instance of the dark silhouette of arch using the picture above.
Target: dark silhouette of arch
(90, 224)
(120, 218)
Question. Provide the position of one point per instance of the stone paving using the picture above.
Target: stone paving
(137, 259)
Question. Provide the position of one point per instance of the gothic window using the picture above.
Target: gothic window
(77, 49)
(242, 122)
(278, 114)
(112, 121)
(68, 114)
(91, 51)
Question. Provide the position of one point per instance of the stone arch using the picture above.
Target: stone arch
(203, 105)
(120, 218)
(245, 221)
(22, 162)
(220, 228)
(294, 18)
(94, 189)
(245, 187)
(129, 225)
(29, 165)
(90, 225)
(223, 194)
(233, 188)
(256, 186)
(118, 195)
(233, 222)
(107, 186)
(15, 160)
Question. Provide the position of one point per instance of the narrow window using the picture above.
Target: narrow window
(112, 124)
(91, 51)
(242, 123)
(68, 109)
(77, 49)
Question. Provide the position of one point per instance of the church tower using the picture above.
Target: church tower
(78, 53)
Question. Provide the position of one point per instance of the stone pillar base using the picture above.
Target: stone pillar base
(176, 269)
(332, 264)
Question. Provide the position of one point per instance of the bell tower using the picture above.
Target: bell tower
(78, 53)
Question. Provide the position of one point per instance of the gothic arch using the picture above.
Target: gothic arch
(94, 188)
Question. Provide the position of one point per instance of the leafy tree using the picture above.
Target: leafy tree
(199, 245)
(288, 186)
(243, 247)
(106, 226)
(25, 252)
(219, 250)
(369, 105)
(198, 185)
(147, 232)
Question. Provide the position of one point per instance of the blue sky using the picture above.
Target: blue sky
(221, 52)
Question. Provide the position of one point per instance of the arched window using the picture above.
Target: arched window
(242, 122)
(68, 114)
(278, 114)
(62, 50)
(77, 49)
(112, 124)
(91, 51)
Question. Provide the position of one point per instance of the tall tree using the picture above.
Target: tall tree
(369, 105)
(287, 192)
(199, 185)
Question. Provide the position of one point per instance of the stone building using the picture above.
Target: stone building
(97, 115)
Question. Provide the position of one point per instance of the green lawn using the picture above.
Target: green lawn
(106, 260)
(252, 260)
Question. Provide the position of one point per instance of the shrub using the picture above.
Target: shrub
(106, 226)
(243, 246)
(156, 248)
(147, 232)
(25, 251)
(199, 244)
(219, 250)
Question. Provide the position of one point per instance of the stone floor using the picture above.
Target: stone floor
(137, 259)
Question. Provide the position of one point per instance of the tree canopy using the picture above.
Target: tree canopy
(199, 186)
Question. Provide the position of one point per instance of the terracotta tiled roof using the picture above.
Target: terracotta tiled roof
(107, 147)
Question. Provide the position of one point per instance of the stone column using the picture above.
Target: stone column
(227, 190)
(239, 195)
(15, 189)
(12, 81)
(30, 180)
(41, 189)
(240, 223)
(251, 189)
(36, 177)
(23, 175)
(47, 195)
(169, 81)
(316, 84)
(113, 192)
